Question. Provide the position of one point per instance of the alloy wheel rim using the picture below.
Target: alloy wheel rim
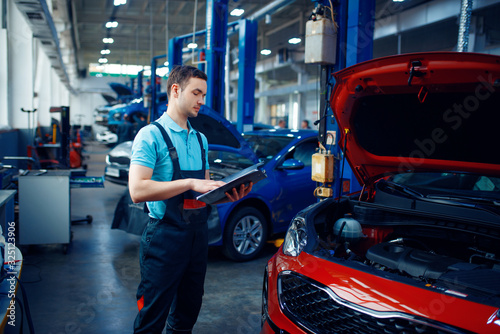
(247, 235)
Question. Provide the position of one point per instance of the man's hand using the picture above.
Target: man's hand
(203, 186)
(235, 195)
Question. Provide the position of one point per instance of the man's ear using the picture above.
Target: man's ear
(175, 90)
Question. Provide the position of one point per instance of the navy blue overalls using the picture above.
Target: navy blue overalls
(173, 258)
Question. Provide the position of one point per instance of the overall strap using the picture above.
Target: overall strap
(171, 148)
(203, 155)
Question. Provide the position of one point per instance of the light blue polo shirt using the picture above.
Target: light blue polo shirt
(150, 150)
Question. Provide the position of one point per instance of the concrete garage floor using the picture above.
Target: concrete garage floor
(91, 289)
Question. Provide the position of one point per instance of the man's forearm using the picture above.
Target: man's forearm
(149, 190)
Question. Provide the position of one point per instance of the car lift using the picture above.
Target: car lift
(354, 43)
(355, 20)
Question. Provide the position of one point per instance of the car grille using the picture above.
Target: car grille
(316, 309)
(119, 160)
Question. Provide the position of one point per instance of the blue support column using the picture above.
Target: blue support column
(246, 68)
(356, 45)
(152, 108)
(215, 53)
(174, 52)
(153, 112)
(360, 26)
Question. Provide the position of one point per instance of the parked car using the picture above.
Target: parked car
(134, 109)
(419, 250)
(107, 137)
(242, 228)
(124, 94)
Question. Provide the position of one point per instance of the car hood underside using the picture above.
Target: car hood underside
(423, 111)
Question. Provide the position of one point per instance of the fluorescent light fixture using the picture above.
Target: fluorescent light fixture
(192, 45)
(398, 0)
(162, 71)
(103, 60)
(265, 52)
(111, 24)
(237, 12)
(119, 2)
(105, 51)
(108, 40)
(294, 40)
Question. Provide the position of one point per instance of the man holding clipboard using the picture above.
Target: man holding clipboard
(168, 168)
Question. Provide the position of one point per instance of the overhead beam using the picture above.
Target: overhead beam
(428, 13)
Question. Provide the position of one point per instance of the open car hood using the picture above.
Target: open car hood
(120, 89)
(421, 111)
(221, 134)
(109, 99)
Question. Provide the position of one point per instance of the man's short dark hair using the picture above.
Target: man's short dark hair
(181, 74)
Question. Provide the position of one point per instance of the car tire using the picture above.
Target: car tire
(245, 234)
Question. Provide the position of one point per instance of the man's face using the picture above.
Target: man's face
(192, 97)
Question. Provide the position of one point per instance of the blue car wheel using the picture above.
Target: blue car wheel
(245, 234)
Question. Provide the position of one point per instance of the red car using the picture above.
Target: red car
(418, 251)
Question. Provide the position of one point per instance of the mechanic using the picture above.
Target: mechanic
(168, 167)
(125, 130)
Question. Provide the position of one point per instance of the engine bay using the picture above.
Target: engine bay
(446, 251)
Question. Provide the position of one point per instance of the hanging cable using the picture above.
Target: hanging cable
(194, 30)
(151, 36)
(194, 35)
(137, 45)
(166, 31)
(194, 20)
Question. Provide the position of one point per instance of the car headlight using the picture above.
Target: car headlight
(296, 237)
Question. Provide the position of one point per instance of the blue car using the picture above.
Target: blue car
(242, 228)
(133, 109)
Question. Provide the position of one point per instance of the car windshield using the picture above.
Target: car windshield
(223, 159)
(465, 186)
(223, 163)
(266, 147)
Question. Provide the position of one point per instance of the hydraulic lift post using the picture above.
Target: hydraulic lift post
(354, 44)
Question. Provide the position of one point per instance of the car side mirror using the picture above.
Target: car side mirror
(291, 164)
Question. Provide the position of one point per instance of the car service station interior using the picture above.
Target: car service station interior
(363, 130)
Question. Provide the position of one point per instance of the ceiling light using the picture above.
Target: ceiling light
(398, 0)
(237, 12)
(294, 40)
(108, 40)
(265, 52)
(165, 63)
(111, 24)
(119, 2)
(103, 60)
(192, 45)
(105, 51)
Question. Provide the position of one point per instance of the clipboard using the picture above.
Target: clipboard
(250, 174)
